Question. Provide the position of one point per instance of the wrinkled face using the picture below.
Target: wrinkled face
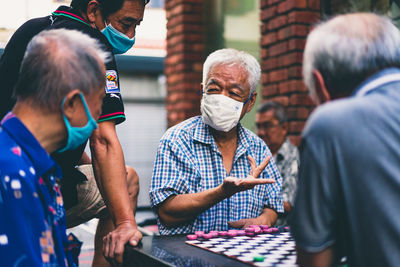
(231, 81)
(128, 17)
(270, 130)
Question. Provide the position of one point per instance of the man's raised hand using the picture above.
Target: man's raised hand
(233, 185)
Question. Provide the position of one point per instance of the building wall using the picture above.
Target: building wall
(285, 25)
(183, 63)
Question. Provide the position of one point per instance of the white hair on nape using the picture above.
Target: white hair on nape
(77, 40)
(336, 47)
(58, 61)
(230, 56)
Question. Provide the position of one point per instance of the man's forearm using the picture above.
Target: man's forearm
(179, 209)
(268, 217)
(318, 259)
(109, 166)
(287, 207)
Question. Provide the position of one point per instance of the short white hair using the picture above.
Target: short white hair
(230, 56)
(57, 62)
(348, 48)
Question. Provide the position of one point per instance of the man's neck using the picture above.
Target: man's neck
(225, 138)
(227, 145)
(47, 127)
(274, 149)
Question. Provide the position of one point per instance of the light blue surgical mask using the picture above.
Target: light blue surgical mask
(78, 135)
(119, 41)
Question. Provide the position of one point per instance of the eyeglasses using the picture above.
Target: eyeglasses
(267, 125)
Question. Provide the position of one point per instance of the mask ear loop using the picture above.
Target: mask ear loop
(245, 102)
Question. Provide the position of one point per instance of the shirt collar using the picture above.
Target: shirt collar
(283, 150)
(378, 79)
(68, 12)
(202, 134)
(23, 137)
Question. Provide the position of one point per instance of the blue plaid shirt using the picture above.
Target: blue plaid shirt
(32, 217)
(188, 161)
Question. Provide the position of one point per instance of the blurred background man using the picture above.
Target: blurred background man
(272, 127)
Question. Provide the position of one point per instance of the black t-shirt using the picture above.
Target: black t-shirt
(10, 63)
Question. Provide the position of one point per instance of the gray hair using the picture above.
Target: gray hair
(279, 110)
(349, 48)
(232, 56)
(57, 62)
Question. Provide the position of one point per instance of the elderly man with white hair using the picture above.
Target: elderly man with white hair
(348, 197)
(206, 170)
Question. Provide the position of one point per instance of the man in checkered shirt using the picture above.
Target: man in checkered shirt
(211, 173)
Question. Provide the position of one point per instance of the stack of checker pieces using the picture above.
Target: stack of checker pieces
(272, 246)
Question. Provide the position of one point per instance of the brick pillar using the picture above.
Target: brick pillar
(184, 61)
(285, 25)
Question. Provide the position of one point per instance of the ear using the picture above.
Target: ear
(93, 11)
(320, 88)
(285, 127)
(71, 104)
(252, 101)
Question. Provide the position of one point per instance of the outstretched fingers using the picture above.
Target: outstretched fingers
(253, 164)
(258, 170)
(257, 181)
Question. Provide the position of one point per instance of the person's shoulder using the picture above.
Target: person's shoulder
(291, 147)
(10, 155)
(182, 130)
(253, 140)
(29, 29)
(34, 24)
(334, 116)
(86, 29)
(251, 136)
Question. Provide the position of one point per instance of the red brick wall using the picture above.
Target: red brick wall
(285, 25)
(184, 60)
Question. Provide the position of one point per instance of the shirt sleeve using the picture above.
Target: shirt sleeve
(273, 198)
(113, 106)
(313, 217)
(169, 173)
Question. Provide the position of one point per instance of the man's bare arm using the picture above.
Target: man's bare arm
(318, 259)
(178, 209)
(110, 172)
(267, 217)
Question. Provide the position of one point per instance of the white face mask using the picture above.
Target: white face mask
(220, 112)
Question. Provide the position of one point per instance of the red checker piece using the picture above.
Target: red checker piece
(191, 237)
(208, 236)
(249, 230)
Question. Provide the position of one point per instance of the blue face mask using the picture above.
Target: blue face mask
(78, 135)
(119, 41)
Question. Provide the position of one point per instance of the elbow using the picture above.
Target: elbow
(98, 142)
(166, 219)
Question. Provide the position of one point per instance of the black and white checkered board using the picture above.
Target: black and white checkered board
(278, 249)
